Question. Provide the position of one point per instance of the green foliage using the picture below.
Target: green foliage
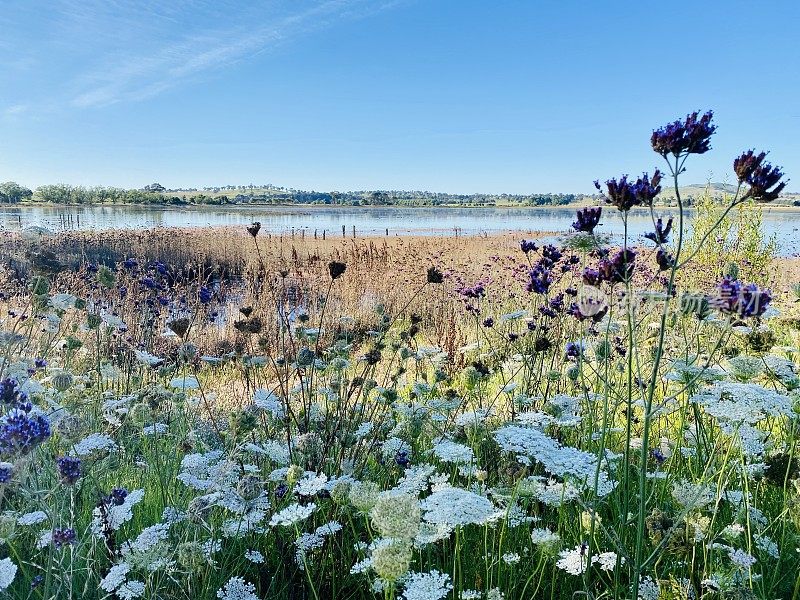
(11, 192)
(738, 245)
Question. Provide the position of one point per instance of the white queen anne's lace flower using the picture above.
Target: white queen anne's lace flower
(427, 586)
(575, 561)
(237, 589)
(8, 571)
(94, 443)
(456, 506)
(292, 514)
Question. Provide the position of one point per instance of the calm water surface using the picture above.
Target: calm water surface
(367, 220)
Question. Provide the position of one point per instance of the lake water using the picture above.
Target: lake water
(368, 221)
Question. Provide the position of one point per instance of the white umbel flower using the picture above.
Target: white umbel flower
(292, 514)
(8, 570)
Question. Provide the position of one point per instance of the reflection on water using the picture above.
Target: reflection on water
(366, 220)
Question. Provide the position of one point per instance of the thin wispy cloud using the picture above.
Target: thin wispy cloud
(133, 75)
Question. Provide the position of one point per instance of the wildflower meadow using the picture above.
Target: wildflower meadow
(571, 416)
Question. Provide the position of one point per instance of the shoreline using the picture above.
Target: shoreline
(297, 205)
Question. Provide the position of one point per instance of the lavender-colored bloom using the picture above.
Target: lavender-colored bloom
(646, 189)
(550, 255)
(625, 194)
(37, 581)
(205, 295)
(691, 136)
(661, 234)
(402, 459)
(546, 311)
(751, 168)
(587, 219)
(540, 280)
(40, 363)
(11, 394)
(573, 350)
(622, 265)
(744, 300)
(665, 260)
(620, 193)
(6, 470)
(476, 291)
(64, 537)
(149, 283)
(130, 263)
(123, 291)
(117, 497)
(528, 246)
(281, 490)
(488, 322)
(592, 277)
(69, 469)
(557, 302)
(658, 455)
(20, 432)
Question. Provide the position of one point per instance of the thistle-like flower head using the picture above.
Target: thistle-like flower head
(690, 136)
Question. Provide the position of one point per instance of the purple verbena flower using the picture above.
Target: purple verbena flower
(661, 234)
(528, 246)
(64, 537)
(205, 295)
(646, 189)
(20, 432)
(690, 136)
(540, 280)
(665, 260)
(744, 300)
(69, 469)
(752, 169)
(587, 219)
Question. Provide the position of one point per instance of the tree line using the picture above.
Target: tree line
(156, 194)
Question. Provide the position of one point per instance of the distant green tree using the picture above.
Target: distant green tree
(12, 192)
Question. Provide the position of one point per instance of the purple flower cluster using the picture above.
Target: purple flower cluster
(11, 395)
(205, 295)
(664, 260)
(474, 292)
(661, 234)
(6, 470)
(21, 432)
(587, 219)
(617, 269)
(690, 136)
(625, 194)
(69, 469)
(541, 275)
(64, 537)
(528, 246)
(752, 169)
(744, 300)
(540, 280)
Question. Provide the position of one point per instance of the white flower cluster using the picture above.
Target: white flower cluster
(237, 589)
(739, 403)
(427, 586)
(116, 515)
(456, 506)
(562, 461)
(94, 443)
(452, 452)
(294, 513)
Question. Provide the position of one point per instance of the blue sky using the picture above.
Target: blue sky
(446, 95)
